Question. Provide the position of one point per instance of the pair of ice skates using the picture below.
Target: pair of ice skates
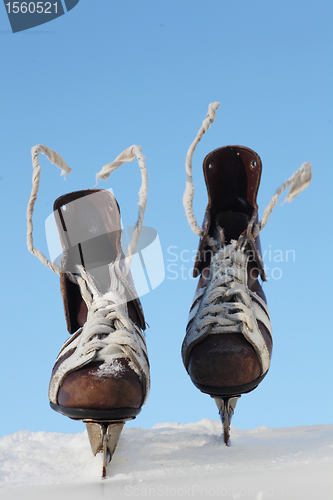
(101, 375)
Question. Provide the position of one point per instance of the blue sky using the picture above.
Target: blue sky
(110, 74)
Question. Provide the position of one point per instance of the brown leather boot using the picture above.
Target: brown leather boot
(228, 343)
(101, 375)
(99, 372)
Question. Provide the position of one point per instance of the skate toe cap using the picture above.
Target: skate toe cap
(226, 360)
(102, 386)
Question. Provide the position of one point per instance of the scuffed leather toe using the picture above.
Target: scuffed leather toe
(226, 360)
(99, 387)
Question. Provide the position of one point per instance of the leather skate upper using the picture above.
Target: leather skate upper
(104, 365)
(231, 189)
(90, 231)
(229, 309)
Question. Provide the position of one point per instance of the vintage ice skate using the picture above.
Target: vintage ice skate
(228, 343)
(101, 375)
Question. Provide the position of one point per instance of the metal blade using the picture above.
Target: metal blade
(103, 437)
(226, 407)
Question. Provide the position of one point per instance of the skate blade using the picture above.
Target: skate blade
(103, 438)
(226, 407)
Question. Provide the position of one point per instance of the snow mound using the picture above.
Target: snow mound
(171, 460)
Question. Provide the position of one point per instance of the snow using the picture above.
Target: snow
(171, 460)
(113, 367)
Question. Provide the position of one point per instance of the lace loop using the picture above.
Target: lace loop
(189, 190)
(57, 160)
(126, 156)
(298, 182)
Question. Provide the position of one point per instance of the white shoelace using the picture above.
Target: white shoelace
(107, 323)
(298, 182)
(126, 156)
(108, 333)
(227, 303)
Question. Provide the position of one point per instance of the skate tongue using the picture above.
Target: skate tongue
(233, 225)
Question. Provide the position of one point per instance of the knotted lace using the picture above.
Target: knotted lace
(108, 333)
(227, 303)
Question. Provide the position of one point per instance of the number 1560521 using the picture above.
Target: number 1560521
(32, 7)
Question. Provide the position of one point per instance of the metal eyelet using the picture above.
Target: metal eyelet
(253, 164)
